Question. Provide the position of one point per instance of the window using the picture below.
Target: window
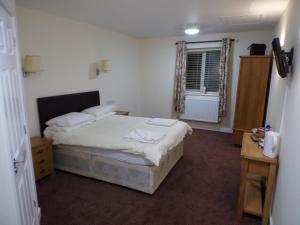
(202, 70)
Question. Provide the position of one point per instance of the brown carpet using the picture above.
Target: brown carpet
(202, 189)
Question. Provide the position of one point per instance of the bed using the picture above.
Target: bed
(109, 160)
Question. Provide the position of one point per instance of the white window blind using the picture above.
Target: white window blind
(202, 72)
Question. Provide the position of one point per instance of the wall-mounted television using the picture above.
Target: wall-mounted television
(283, 59)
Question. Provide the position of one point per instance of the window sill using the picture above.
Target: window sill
(208, 94)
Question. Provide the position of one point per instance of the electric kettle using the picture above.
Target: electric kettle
(271, 144)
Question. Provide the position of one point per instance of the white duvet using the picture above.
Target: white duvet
(109, 133)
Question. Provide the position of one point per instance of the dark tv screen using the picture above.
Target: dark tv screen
(281, 59)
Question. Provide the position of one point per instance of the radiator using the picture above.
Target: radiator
(201, 108)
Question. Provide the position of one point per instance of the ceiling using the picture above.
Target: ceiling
(157, 18)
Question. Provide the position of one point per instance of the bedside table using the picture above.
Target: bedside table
(251, 199)
(122, 113)
(42, 157)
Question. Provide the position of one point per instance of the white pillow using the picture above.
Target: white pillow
(99, 110)
(70, 119)
(67, 129)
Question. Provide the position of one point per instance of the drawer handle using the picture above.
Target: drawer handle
(42, 171)
(41, 161)
(40, 151)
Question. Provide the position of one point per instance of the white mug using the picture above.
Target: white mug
(271, 144)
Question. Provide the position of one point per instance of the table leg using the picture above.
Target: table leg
(243, 180)
(269, 192)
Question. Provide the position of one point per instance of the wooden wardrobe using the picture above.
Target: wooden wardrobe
(252, 95)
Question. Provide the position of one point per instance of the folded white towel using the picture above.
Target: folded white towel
(145, 136)
(162, 122)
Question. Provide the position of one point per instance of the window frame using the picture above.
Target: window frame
(202, 76)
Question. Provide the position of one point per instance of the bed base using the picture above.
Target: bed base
(138, 177)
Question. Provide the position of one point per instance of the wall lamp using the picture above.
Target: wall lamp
(103, 66)
(32, 64)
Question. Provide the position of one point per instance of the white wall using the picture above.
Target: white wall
(142, 76)
(278, 85)
(286, 208)
(67, 49)
(158, 66)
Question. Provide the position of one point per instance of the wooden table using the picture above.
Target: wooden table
(255, 164)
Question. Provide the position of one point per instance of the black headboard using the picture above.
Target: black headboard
(53, 106)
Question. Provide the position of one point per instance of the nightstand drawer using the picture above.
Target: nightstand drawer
(45, 156)
(41, 171)
(42, 156)
(41, 150)
(42, 167)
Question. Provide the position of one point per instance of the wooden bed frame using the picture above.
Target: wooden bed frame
(143, 178)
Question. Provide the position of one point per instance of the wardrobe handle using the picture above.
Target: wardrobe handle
(40, 151)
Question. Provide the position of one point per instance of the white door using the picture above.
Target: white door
(13, 135)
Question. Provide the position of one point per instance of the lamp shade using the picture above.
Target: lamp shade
(32, 64)
(105, 65)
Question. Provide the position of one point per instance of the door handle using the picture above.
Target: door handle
(18, 160)
(16, 164)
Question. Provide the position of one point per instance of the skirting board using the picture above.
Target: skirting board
(226, 130)
(39, 213)
(221, 129)
(208, 126)
(271, 220)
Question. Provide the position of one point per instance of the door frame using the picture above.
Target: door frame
(10, 212)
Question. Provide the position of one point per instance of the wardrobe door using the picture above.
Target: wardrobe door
(251, 95)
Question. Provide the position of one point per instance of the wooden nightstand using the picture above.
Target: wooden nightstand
(42, 157)
(122, 113)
